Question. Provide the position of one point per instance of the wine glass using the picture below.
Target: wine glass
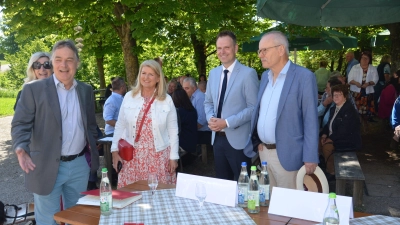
(201, 194)
(153, 182)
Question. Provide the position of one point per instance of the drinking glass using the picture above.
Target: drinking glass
(201, 194)
(153, 182)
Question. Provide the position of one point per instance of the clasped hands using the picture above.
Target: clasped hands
(217, 124)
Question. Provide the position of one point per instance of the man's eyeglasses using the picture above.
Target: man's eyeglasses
(264, 51)
(38, 65)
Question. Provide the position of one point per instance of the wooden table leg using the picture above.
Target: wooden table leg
(340, 187)
(204, 153)
(358, 192)
(108, 159)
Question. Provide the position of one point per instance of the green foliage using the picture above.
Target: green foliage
(7, 106)
(7, 93)
(19, 61)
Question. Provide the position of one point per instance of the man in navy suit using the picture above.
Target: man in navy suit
(284, 124)
(231, 95)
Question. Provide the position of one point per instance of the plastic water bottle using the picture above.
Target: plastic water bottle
(264, 185)
(331, 216)
(243, 186)
(253, 202)
(106, 201)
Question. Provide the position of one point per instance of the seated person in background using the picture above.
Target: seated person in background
(113, 104)
(202, 86)
(388, 96)
(326, 101)
(172, 85)
(342, 132)
(188, 120)
(197, 98)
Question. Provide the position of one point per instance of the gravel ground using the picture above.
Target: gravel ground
(12, 189)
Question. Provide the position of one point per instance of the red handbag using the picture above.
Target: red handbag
(125, 149)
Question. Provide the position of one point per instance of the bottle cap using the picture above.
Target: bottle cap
(332, 195)
(253, 168)
(244, 164)
(104, 170)
(263, 163)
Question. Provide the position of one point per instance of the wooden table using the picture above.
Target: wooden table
(90, 215)
(107, 156)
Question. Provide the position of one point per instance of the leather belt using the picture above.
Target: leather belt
(67, 158)
(270, 146)
(220, 133)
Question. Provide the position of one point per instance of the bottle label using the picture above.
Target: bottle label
(240, 197)
(253, 200)
(105, 202)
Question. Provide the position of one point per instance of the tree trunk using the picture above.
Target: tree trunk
(199, 54)
(100, 68)
(340, 61)
(394, 29)
(128, 43)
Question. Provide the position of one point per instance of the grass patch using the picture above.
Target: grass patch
(7, 106)
(7, 93)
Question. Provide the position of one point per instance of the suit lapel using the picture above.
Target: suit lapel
(232, 78)
(54, 103)
(81, 96)
(286, 88)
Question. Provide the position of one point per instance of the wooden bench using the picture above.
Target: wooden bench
(347, 167)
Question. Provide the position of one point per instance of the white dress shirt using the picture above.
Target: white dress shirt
(73, 133)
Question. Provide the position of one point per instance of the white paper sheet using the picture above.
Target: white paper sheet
(307, 205)
(223, 192)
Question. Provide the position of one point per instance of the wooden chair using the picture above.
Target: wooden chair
(316, 182)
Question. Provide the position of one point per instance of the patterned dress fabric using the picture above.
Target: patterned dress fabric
(145, 158)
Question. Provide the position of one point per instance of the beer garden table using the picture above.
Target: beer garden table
(90, 215)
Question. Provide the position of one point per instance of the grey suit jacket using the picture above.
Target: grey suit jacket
(297, 127)
(36, 128)
(239, 101)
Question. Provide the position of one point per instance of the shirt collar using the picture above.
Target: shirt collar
(61, 85)
(283, 71)
(230, 68)
(116, 94)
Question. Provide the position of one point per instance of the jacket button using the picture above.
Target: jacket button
(57, 160)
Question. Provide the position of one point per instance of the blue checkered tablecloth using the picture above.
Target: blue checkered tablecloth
(374, 220)
(166, 208)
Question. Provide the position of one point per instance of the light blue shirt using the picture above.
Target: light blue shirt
(111, 110)
(197, 100)
(269, 106)
(73, 133)
(350, 65)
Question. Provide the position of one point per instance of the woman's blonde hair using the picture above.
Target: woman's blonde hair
(160, 86)
(30, 73)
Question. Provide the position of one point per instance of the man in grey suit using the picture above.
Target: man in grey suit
(284, 124)
(54, 126)
(231, 95)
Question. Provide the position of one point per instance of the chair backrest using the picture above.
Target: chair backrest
(316, 182)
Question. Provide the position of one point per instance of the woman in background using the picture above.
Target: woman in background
(362, 79)
(188, 120)
(388, 96)
(39, 67)
(156, 144)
